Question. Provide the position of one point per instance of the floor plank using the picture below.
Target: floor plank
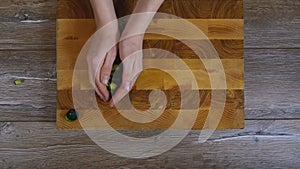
(33, 134)
(253, 147)
(16, 11)
(17, 35)
(272, 23)
(272, 80)
(35, 98)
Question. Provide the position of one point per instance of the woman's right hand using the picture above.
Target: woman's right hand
(104, 46)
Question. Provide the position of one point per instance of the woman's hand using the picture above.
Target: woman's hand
(130, 50)
(131, 45)
(104, 46)
(101, 56)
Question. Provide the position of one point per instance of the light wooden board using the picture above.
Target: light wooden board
(222, 25)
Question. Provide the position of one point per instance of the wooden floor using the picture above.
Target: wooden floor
(271, 138)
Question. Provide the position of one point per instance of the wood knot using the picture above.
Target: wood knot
(71, 38)
(6, 128)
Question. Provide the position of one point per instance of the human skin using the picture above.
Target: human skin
(130, 44)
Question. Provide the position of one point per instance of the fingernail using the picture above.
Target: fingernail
(105, 79)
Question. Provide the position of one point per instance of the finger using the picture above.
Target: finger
(92, 81)
(99, 93)
(107, 66)
(99, 87)
(124, 89)
(103, 90)
(131, 70)
(120, 93)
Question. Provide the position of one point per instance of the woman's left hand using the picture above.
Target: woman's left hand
(131, 54)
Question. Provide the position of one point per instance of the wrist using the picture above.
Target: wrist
(134, 38)
(111, 22)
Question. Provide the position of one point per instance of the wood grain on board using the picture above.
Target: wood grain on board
(220, 20)
(200, 9)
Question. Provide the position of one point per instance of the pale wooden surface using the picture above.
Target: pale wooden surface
(222, 23)
(29, 138)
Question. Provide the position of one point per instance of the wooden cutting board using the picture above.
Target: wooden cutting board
(222, 22)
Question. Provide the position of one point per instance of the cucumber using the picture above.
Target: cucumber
(71, 115)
